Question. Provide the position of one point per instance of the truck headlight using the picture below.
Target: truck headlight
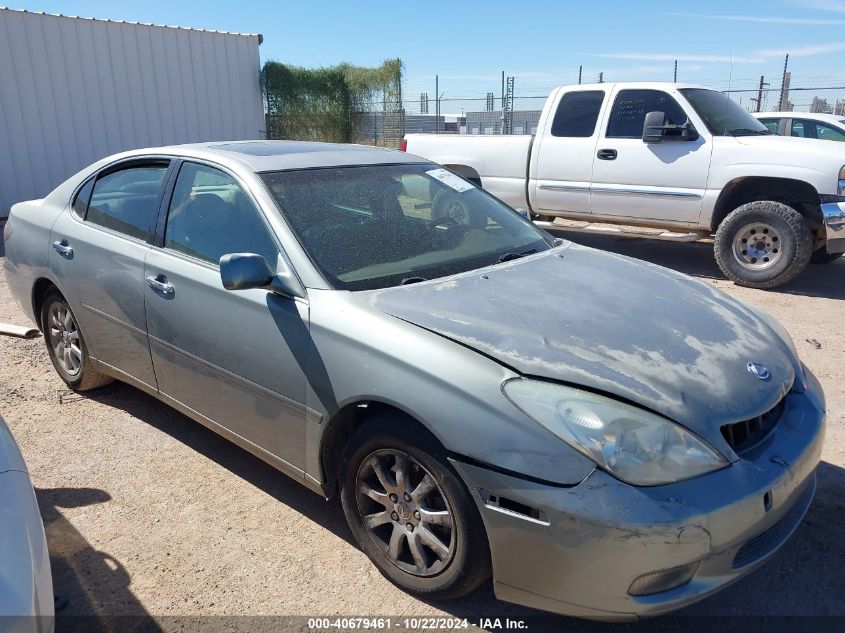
(634, 445)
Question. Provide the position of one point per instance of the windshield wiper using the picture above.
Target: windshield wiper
(412, 280)
(744, 131)
(511, 256)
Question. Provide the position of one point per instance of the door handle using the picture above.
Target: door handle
(160, 284)
(63, 248)
(607, 154)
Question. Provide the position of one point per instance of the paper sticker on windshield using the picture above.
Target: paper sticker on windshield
(450, 180)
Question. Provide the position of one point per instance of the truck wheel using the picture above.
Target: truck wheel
(821, 256)
(763, 244)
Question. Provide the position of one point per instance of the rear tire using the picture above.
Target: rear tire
(66, 345)
(422, 528)
(763, 244)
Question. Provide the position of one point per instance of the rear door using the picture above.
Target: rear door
(662, 181)
(236, 358)
(563, 166)
(98, 255)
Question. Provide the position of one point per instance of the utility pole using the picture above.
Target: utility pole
(759, 99)
(580, 68)
(503, 93)
(676, 71)
(437, 104)
(783, 85)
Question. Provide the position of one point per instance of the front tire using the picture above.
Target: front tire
(66, 345)
(410, 513)
(763, 244)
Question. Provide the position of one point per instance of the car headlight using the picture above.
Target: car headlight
(841, 188)
(634, 445)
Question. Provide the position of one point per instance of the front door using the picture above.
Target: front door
(98, 251)
(236, 358)
(665, 181)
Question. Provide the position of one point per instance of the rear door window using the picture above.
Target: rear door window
(126, 200)
(577, 114)
(630, 107)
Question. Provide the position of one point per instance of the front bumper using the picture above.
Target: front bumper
(577, 550)
(833, 217)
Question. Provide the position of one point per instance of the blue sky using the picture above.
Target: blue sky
(541, 43)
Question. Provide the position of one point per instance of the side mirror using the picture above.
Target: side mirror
(656, 130)
(242, 271)
(653, 129)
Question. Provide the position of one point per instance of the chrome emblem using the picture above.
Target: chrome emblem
(758, 371)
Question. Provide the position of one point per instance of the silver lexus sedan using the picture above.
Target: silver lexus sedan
(604, 437)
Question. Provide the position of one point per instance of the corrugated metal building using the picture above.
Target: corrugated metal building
(73, 90)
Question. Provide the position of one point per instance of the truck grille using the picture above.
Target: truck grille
(746, 434)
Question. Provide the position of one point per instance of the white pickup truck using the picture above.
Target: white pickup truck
(665, 161)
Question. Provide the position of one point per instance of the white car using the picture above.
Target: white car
(827, 127)
(686, 160)
(26, 587)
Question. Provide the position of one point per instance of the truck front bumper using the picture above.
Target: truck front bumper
(606, 550)
(833, 217)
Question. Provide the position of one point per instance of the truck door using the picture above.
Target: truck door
(662, 181)
(562, 166)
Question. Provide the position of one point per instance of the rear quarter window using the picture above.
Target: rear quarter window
(577, 114)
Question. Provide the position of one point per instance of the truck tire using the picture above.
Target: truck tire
(821, 256)
(763, 244)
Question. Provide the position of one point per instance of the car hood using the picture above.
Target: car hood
(613, 324)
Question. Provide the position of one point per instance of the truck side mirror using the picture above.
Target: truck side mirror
(653, 127)
(656, 130)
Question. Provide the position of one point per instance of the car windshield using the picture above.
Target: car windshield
(722, 115)
(383, 225)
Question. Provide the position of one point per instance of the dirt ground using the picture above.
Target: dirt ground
(149, 513)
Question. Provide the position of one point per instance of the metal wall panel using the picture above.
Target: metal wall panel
(73, 90)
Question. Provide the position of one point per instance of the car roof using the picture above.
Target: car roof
(816, 116)
(261, 156)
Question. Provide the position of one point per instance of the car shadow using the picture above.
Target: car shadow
(88, 583)
(226, 454)
(696, 259)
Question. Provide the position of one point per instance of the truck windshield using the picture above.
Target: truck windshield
(722, 115)
(376, 226)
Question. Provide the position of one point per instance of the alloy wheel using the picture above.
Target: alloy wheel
(405, 512)
(64, 338)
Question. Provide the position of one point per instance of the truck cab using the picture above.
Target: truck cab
(684, 159)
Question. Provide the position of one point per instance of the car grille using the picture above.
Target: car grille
(746, 434)
(767, 542)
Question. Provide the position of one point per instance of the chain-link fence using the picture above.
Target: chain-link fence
(375, 124)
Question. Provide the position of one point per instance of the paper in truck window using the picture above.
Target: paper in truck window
(450, 180)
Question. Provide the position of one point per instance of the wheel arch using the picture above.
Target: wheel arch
(798, 194)
(39, 291)
(344, 423)
(470, 173)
